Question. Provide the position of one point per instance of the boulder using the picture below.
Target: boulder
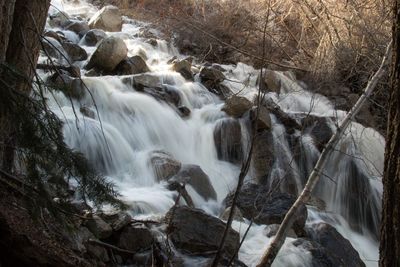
(228, 140)
(79, 238)
(212, 79)
(272, 229)
(98, 252)
(184, 68)
(258, 203)
(118, 220)
(88, 112)
(263, 156)
(132, 65)
(319, 128)
(94, 36)
(108, 19)
(60, 38)
(330, 239)
(98, 227)
(141, 81)
(236, 106)
(135, 237)
(237, 214)
(77, 26)
(109, 53)
(52, 47)
(272, 81)
(193, 175)
(263, 121)
(195, 231)
(290, 123)
(74, 51)
(70, 86)
(59, 19)
(184, 111)
(164, 165)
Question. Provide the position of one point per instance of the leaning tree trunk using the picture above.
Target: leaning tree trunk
(390, 230)
(21, 23)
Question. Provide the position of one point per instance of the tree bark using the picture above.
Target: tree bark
(390, 228)
(21, 23)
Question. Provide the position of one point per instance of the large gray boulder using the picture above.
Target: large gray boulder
(194, 231)
(164, 165)
(236, 106)
(193, 175)
(258, 204)
(228, 140)
(109, 53)
(74, 51)
(108, 19)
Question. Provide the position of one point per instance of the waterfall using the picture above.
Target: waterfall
(129, 126)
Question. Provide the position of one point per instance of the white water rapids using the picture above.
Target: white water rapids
(130, 125)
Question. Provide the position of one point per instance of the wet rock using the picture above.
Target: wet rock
(88, 112)
(263, 121)
(59, 19)
(79, 27)
(193, 175)
(271, 81)
(152, 41)
(290, 123)
(98, 227)
(335, 244)
(80, 206)
(212, 79)
(70, 86)
(272, 229)
(228, 140)
(184, 111)
(164, 165)
(141, 81)
(132, 65)
(184, 68)
(258, 203)
(93, 73)
(74, 51)
(94, 36)
(60, 38)
(237, 214)
(52, 47)
(108, 19)
(98, 252)
(236, 106)
(195, 231)
(135, 237)
(118, 220)
(319, 128)
(109, 53)
(263, 156)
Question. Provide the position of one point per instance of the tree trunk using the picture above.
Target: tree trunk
(21, 23)
(390, 229)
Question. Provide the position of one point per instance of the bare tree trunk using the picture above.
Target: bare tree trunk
(21, 24)
(390, 228)
(313, 179)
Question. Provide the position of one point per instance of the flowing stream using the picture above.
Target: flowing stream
(130, 125)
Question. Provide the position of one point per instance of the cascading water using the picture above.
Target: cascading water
(129, 126)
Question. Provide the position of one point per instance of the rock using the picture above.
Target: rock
(290, 123)
(184, 68)
(264, 119)
(152, 42)
(338, 246)
(98, 252)
(108, 19)
(135, 237)
(70, 86)
(257, 203)
(52, 48)
(118, 220)
(99, 227)
(193, 175)
(228, 140)
(319, 128)
(88, 112)
(272, 229)
(212, 79)
(92, 73)
(237, 214)
(79, 27)
(94, 36)
(272, 81)
(132, 65)
(59, 19)
(74, 51)
(164, 165)
(54, 35)
(184, 111)
(79, 238)
(263, 156)
(195, 231)
(140, 81)
(80, 206)
(109, 53)
(236, 106)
